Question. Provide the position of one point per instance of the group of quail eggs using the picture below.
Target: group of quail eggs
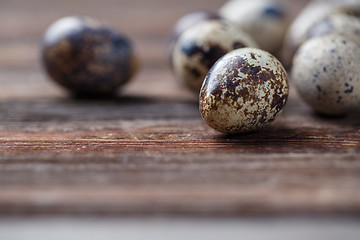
(227, 58)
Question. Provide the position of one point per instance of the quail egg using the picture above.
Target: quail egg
(86, 57)
(314, 12)
(244, 91)
(326, 73)
(186, 22)
(199, 47)
(264, 20)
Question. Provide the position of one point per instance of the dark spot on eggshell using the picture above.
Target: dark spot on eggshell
(338, 99)
(212, 55)
(277, 102)
(318, 88)
(195, 72)
(230, 85)
(266, 75)
(190, 48)
(250, 69)
(238, 45)
(349, 90)
(207, 55)
(273, 11)
(263, 119)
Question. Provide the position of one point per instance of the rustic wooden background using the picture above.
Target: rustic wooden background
(148, 151)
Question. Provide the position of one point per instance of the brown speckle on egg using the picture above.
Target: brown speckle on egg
(241, 93)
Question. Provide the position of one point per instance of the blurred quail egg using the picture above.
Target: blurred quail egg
(341, 24)
(264, 20)
(314, 12)
(185, 23)
(243, 91)
(199, 47)
(87, 57)
(326, 72)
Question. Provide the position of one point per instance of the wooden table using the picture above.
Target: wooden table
(148, 152)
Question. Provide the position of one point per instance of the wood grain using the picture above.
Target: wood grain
(148, 151)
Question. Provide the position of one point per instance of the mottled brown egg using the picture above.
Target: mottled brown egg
(185, 23)
(199, 47)
(326, 73)
(243, 91)
(87, 57)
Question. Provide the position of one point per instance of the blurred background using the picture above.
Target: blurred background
(148, 23)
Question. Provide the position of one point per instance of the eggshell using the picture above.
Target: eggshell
(264, 20)
(314, 12)
(86, 57)
(326, 72)
(199, 47)
(342, 24)
(244, 91)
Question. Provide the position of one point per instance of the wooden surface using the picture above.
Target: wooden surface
(148, 151)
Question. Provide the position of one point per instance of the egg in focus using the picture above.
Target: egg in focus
(244, 91)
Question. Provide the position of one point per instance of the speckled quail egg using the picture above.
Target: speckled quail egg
(326, 72)
(199, 47)
(314, 12)
(87, 57)
(243, 91)
(185, 23)
(342, 24)
(264, 20)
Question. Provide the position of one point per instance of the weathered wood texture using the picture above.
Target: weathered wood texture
(148, 151)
